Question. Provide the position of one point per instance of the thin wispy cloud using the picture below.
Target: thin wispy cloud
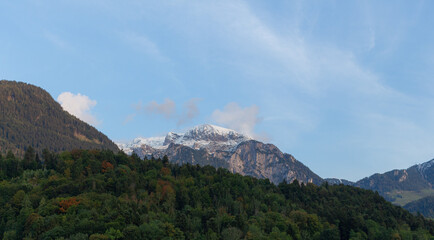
(129, 118)
(167, 109)
(143, 44)
(189, 111)
(56, 40)
(311, 66)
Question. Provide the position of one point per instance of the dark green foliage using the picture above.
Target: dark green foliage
(94, 194)
(424, 206)
(29, 116)
(29, 161)
(10, 166)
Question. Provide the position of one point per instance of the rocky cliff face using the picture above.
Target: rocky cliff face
(261, 160)
(219, 147)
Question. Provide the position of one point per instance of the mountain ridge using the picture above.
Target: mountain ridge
(29, 116)
(221, 147)
(416, 177)
(206, 136)
(411, 188)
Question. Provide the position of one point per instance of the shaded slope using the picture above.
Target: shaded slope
(424, 206)
(29, 116)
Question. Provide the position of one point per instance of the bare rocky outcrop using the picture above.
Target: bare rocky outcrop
(252, 158)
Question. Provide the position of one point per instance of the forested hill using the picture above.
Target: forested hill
(29, 116)
(424, 206)
(93, 194)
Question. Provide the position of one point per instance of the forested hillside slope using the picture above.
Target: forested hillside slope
(93, 194)
(29, 116)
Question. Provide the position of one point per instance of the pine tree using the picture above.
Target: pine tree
(29, 161)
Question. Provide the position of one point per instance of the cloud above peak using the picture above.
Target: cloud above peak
(79, 105)
(190, 111)
(166, 109)
(239, 119)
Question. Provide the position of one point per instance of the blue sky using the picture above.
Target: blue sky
(347, 87)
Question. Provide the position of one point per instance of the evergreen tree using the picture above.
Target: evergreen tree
(12, 165)
(50, 159)
(2, 168)
(38, 161)
(165, 160)
(29, 161)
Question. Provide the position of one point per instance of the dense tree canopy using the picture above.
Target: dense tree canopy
(94, 194)
(29, 116)
(424, 206)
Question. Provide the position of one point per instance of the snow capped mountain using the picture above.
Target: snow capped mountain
(223, 148)
(155, 142)
(205, 136)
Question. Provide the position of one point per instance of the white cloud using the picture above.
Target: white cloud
(237, 118)
(79, 106)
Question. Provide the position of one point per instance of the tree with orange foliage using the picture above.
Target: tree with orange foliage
(165, 171)
(67, 203)
(106, 166)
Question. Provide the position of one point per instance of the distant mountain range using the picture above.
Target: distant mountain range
(221, 147)
(393, 183)
(415, 178)
(411, 188)
(29, 116)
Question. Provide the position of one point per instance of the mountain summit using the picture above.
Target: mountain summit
(207, 136)
(208, 133)
(29, 116)
(221, 147)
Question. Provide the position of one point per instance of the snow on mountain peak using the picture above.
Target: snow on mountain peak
(212, 133)
(206, 136)
(208, 128)
(155, 142)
